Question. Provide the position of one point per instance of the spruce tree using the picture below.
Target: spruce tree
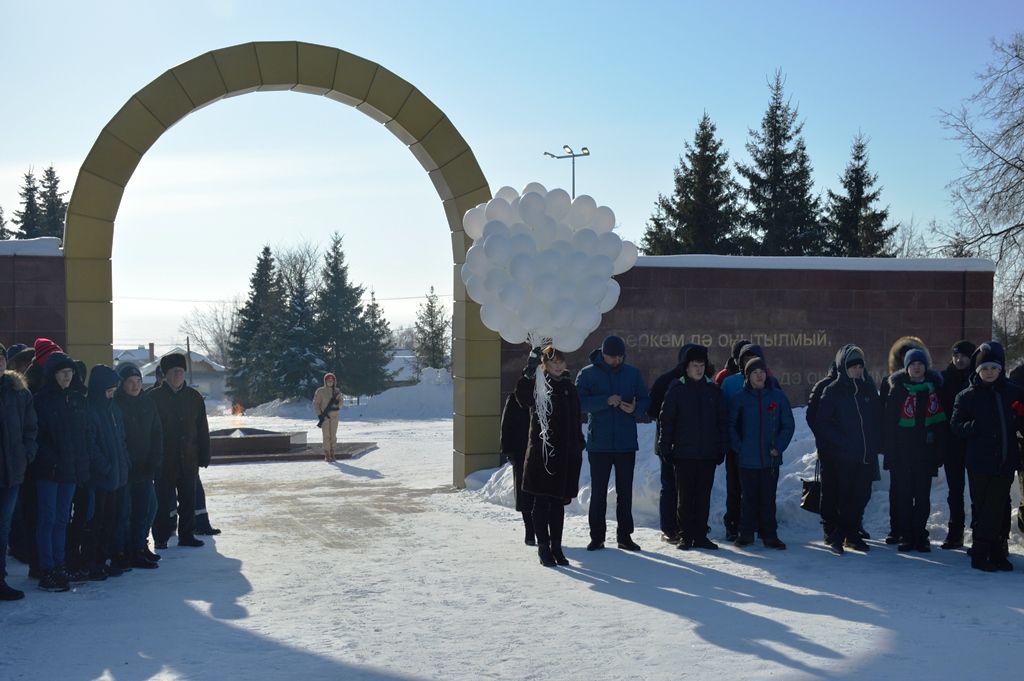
(297, 365)
(29, 218)
(52, 205)
(245, 380)
(338, 314)
(4, 232)
(782, 212)
(432, 337)
(370, 374)
(703, 211)
(855, 227)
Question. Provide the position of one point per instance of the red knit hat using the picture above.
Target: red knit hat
(44, 347)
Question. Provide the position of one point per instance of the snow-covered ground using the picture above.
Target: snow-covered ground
(377, 568)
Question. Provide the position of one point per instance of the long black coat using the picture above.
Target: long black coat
(918, 448)
(515, 437)
(186, 432)
(694, 422)
(143, 435)
(554, 470)
(848, 421)
(985, 416)
(63, 439)
(18, 429)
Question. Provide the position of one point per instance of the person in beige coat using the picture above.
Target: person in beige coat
(327, 407)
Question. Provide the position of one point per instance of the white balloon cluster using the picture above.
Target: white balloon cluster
(541, 264)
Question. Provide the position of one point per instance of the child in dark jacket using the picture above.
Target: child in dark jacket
(62, 461)
(914, 428)
(988, 416)
(17, 450)
(760, 428)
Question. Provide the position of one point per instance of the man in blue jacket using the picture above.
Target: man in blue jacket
(613, 395)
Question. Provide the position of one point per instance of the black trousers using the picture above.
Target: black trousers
(175, 505)
(956, 478)
(694, 480)
(757, 503)
(548, 520)
(668, 501)
(844, 497)
(601, 464)
(732, 491)
(913, 502)
(991, 512)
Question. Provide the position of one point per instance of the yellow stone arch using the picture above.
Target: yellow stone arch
(316, 70)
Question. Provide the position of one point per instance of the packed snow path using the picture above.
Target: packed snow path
(377, 568)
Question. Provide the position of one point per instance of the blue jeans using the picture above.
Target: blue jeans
(54, 499)
(601, 464)
(143, 512)
(8, 498)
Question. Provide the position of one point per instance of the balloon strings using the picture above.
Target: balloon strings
(542, 406)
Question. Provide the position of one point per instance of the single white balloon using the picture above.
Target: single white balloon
(531, 209)
(611, 297)
(609, 244)
(506, 193)
(582, 211)
(473, 222)
(626, 259)
(534, 187)
(557, 203)
(603, 220)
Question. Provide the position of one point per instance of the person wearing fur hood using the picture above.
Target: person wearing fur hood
(17, 450)
(914, 428)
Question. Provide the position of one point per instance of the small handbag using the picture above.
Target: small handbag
(810, 497)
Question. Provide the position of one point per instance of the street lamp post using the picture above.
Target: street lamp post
(569, 153)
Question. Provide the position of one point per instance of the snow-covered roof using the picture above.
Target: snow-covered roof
(135, 355)
(44, 245)
(148, 369)
(818, 263)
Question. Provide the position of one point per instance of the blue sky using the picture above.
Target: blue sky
(517, 79)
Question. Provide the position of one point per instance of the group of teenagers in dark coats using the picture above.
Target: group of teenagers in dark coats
(967, 420)
(89, 470)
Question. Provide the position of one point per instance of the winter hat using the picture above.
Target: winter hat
(329, 375)
(854, 357)
(55, 362)
(988, 355)
(14, 349)
(681, 357)
(45, 347)
(915, 355)
(172, 361)
(695, 353)
(613, 346)
(752, 365)
(22, 358)
(964, 347)
(738, 346)
(750, 349)
(127, 370)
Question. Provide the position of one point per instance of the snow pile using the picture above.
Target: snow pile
(291, 408)
(496, 486)
(44, 245)
(431, 398)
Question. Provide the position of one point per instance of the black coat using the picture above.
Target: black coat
(918, 448)
(984, 415)
(185, 429)
(63, 438)
(515, 430)
(17, 429)
(848, 421)
(554, 470)
(694, 422)
(143, 435)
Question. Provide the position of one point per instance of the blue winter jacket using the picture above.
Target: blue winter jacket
(609, 429)
(108, 452)
(756, 426)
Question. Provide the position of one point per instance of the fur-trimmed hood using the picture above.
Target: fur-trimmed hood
(901, 376)
(900, 347)
(16, 380)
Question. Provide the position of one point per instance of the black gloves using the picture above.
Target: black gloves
(532, 363)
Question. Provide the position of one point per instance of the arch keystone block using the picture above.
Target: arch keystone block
(279, 65)
(239, 68)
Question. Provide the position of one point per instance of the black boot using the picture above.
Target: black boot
(559, 557)
(8, 593)
(140, 561)
(547, 559)
(999, 558)
(954, 538)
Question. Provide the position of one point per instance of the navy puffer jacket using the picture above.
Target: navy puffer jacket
(63, 438)
(17, 429)
(988, 419)
(848, 420)
(609, 429)
(108, 453)
(694, 422)
(143, 435)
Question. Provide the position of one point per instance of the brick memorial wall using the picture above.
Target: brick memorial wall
(32, 298)
(801, 310)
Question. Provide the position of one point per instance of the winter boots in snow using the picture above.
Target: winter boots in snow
(626, 543)
(8, 593)
(556, 553)
(954, 538)
(547, 558)
(52, 580)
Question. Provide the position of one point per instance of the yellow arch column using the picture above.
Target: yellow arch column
(311, 69)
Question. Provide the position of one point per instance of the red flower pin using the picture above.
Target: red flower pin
(1018, 407)
(775, 405)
